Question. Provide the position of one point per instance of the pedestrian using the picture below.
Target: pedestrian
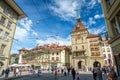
(62, 71)
(112, 75)
(65, 73)
(14, 72)
(17, 71)
(3, 73)
(55, 74)
(94, 73)
(99, 74)
(73, 73)
(7, 71)
(78, 76)
(68, 70)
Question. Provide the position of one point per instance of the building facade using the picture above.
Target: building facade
(9, 15)
(107, 53)
(46, 56)
(111, 9)
(86, 50)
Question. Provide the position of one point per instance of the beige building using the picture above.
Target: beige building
(107, 53)
(10, 12)
(86, 49)
(111, 9)
(46, 56)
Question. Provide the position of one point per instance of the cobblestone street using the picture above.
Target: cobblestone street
(49, 76)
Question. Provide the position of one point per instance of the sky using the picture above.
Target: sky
(51, 21)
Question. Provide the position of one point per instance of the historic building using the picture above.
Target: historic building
(10, 12)
(86, 49)
(111, 9)
(107, 53)
(46, 56)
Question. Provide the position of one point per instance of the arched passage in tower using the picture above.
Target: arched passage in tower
(96, 64)
(79, 64)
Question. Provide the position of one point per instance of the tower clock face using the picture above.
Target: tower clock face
(78, 36)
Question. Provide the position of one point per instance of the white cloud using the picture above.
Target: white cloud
(98, 16)
(26, 23)
(91, 21)
(66, 9)
(24, 29)
(20, 33)
(91, 4)
(97, 30)
(56, 39)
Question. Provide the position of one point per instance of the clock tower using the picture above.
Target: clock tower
(85, 47)
(79, 44)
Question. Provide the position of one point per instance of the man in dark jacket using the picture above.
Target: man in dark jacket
(73, 73)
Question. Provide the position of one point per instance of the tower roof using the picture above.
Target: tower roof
(79, 26)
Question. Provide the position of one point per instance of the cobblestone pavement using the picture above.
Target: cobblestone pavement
(49, 76)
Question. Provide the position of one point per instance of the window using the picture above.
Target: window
(116, 26)
(5, 10)
(109, 3)
(109, 55)
(2, 48)
(104, 55)
(57, 58)
(52, 58)
(83, 46)
(9, 24)
(2, 21)
(6, 35)
(57, 53)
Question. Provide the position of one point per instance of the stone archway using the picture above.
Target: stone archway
(97, 64)
(79, 64)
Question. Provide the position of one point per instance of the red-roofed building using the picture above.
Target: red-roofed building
(86, 49)
(47, 56)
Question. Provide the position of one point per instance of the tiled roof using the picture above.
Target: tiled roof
(78, 27)
(23, 49)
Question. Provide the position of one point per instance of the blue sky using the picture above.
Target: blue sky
(51, 21)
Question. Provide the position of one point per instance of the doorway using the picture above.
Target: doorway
(79, 64)
(96, 64)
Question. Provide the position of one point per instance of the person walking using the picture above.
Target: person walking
(3, 73)
(112, 75)
(99, 74)
(73, 73)
(7, 71)
(78, 76)
(94, 73)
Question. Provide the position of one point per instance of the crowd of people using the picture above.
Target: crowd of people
(97, 72)
(106, 70)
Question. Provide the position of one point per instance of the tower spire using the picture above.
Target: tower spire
(78, 17)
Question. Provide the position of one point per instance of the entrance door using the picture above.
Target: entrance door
(96, 64)
(79, 64)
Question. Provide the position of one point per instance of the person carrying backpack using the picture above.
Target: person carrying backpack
(7, 71)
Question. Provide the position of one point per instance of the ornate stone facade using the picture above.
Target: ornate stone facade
(86, 49)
